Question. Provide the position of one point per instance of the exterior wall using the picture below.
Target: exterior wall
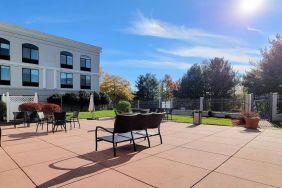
(49, 61)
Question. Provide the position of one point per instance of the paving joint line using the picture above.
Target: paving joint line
(227, 159)
(105, 166)
(20, 168)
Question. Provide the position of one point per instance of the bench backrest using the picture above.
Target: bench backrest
(123, 123)
(136, 122)
(154, 121)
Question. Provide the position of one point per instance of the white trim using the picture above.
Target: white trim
(8, 28)
(36, 66)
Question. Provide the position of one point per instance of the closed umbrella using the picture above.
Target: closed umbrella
(35, 99)
(91, 107)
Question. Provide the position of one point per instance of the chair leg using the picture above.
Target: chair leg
(78, 122)
(96, 141)
(160, 136)
(65, 126)
(134, 146)
(0, 136)
(37, 124)
(149, 143)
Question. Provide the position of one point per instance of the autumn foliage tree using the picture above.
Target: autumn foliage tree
(116, 88)
(266, 76)
(168, 87)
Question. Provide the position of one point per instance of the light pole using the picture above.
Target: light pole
(61, 94)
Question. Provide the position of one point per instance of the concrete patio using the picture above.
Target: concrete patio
(198, 156)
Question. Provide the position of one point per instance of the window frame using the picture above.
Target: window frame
(5, 82)
(66, 85)
(84, 85)
(30, 83)
(85, 68)
(2, 55)
(65, 64)
(31, 48)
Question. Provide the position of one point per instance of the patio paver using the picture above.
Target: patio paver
(199, 156)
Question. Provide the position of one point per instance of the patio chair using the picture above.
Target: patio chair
(153, 110)
(41, 119)
(0, 136)
(74, 118)
(169, 113)
(19, 117)
(59, 120)
(122, 132)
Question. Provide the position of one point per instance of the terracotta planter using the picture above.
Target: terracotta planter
(252, 123)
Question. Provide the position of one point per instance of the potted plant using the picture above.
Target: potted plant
(251, 120)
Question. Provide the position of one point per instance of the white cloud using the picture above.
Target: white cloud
(157, 28)
(150, 64)
(255, 30)
(241, 55)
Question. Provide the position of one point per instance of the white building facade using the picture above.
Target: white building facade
(32, 62)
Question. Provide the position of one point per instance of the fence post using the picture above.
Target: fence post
(274, 105)
(201, 103)
(8, 106)
(249, 102)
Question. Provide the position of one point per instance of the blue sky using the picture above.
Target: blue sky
(159, 36)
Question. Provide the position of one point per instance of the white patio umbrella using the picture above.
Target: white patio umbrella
(91, 107)
(35, 99)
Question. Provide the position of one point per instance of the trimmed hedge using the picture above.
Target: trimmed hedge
(123, 107)
(40, 107)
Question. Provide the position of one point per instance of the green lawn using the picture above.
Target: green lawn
(175, 118)
(100, 114)
(205, 120)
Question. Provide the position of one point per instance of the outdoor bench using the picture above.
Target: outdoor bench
(131, 127)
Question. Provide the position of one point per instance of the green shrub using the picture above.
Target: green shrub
(56, 99)
(123, 107)
(2, 110)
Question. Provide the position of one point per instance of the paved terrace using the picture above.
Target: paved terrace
(201, 156)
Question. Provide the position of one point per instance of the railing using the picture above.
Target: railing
(223, 104)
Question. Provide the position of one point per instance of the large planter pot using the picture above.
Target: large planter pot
(252, 123)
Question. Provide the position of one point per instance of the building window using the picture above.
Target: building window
(85, 82)
(30, 77)
(4, 49)
(85, 63)
(66, 80)
(66, 60)
(30, 54)
(4, 75)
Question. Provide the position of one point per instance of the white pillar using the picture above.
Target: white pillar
(201, 103)
(274, 105)
(8, 107)
(55, 79)
(248, 102)
(44, 78)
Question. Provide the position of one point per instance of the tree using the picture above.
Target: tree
(168, 86)
(219, 78)
(192, 83)
(266, 75)
(147, 87)
(253, 82)
(83, 99)
(104, 99)
(117, 88)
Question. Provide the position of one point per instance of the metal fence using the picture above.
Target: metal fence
(224, 104)
(209, 104)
